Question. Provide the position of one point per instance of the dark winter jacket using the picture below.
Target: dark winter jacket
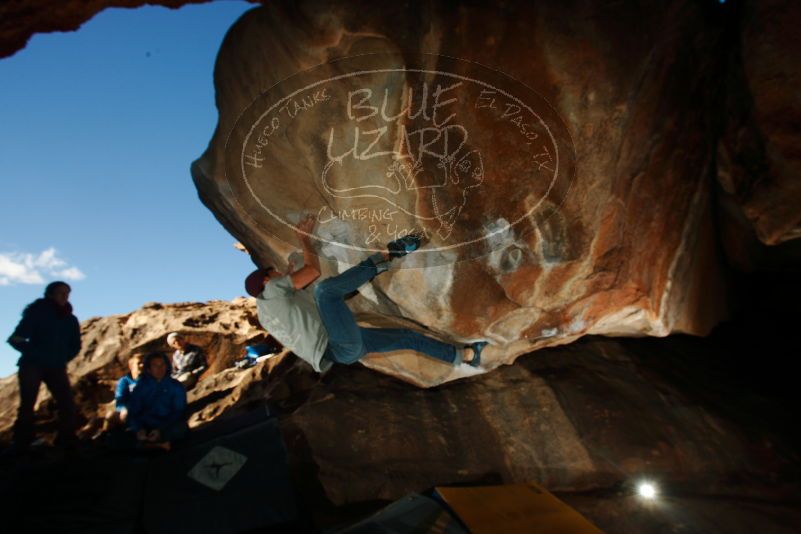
(52, 335)
(154, 404)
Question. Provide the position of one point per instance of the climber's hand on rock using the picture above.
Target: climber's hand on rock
(304, 227)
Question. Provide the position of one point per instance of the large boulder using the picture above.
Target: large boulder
(558, 157)
(646, 102)
(624, 243)
(759, 161)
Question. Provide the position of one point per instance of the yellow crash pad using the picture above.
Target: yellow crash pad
(514, 508)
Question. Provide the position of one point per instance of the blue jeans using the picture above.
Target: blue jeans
(348, 342)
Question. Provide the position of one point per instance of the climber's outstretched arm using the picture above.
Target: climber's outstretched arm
(311, 263)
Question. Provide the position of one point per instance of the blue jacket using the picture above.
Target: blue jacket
(122, 393)
(155, 404)
(53, 335)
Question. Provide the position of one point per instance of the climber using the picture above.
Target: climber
(48, 336)
(188, 360)
(320, 328)
(156, 405)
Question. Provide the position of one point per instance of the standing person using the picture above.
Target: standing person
(188, 361)
(320, 328)
(157, 404)
(48, 336)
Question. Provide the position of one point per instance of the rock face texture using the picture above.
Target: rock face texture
(20, 19)
(759, 161)
(588, 212)
(658, 134)
(665, 140)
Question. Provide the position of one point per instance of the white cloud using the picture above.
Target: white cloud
(26, 268)
(72, 273)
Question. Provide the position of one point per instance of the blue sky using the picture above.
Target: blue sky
(98, 128)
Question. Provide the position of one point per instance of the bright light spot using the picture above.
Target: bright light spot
(647, 490)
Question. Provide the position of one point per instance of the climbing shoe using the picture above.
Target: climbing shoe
(477, 347)
(404, 245)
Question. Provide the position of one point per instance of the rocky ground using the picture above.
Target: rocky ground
(585, 420)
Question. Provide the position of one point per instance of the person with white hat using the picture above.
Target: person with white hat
(188, 361)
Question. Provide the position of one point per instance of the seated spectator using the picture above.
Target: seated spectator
(188, 361)
(254, 354)
(156, 405)
(125, 386)
(122, 393)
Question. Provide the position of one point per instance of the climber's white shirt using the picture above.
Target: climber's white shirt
(291, 316)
